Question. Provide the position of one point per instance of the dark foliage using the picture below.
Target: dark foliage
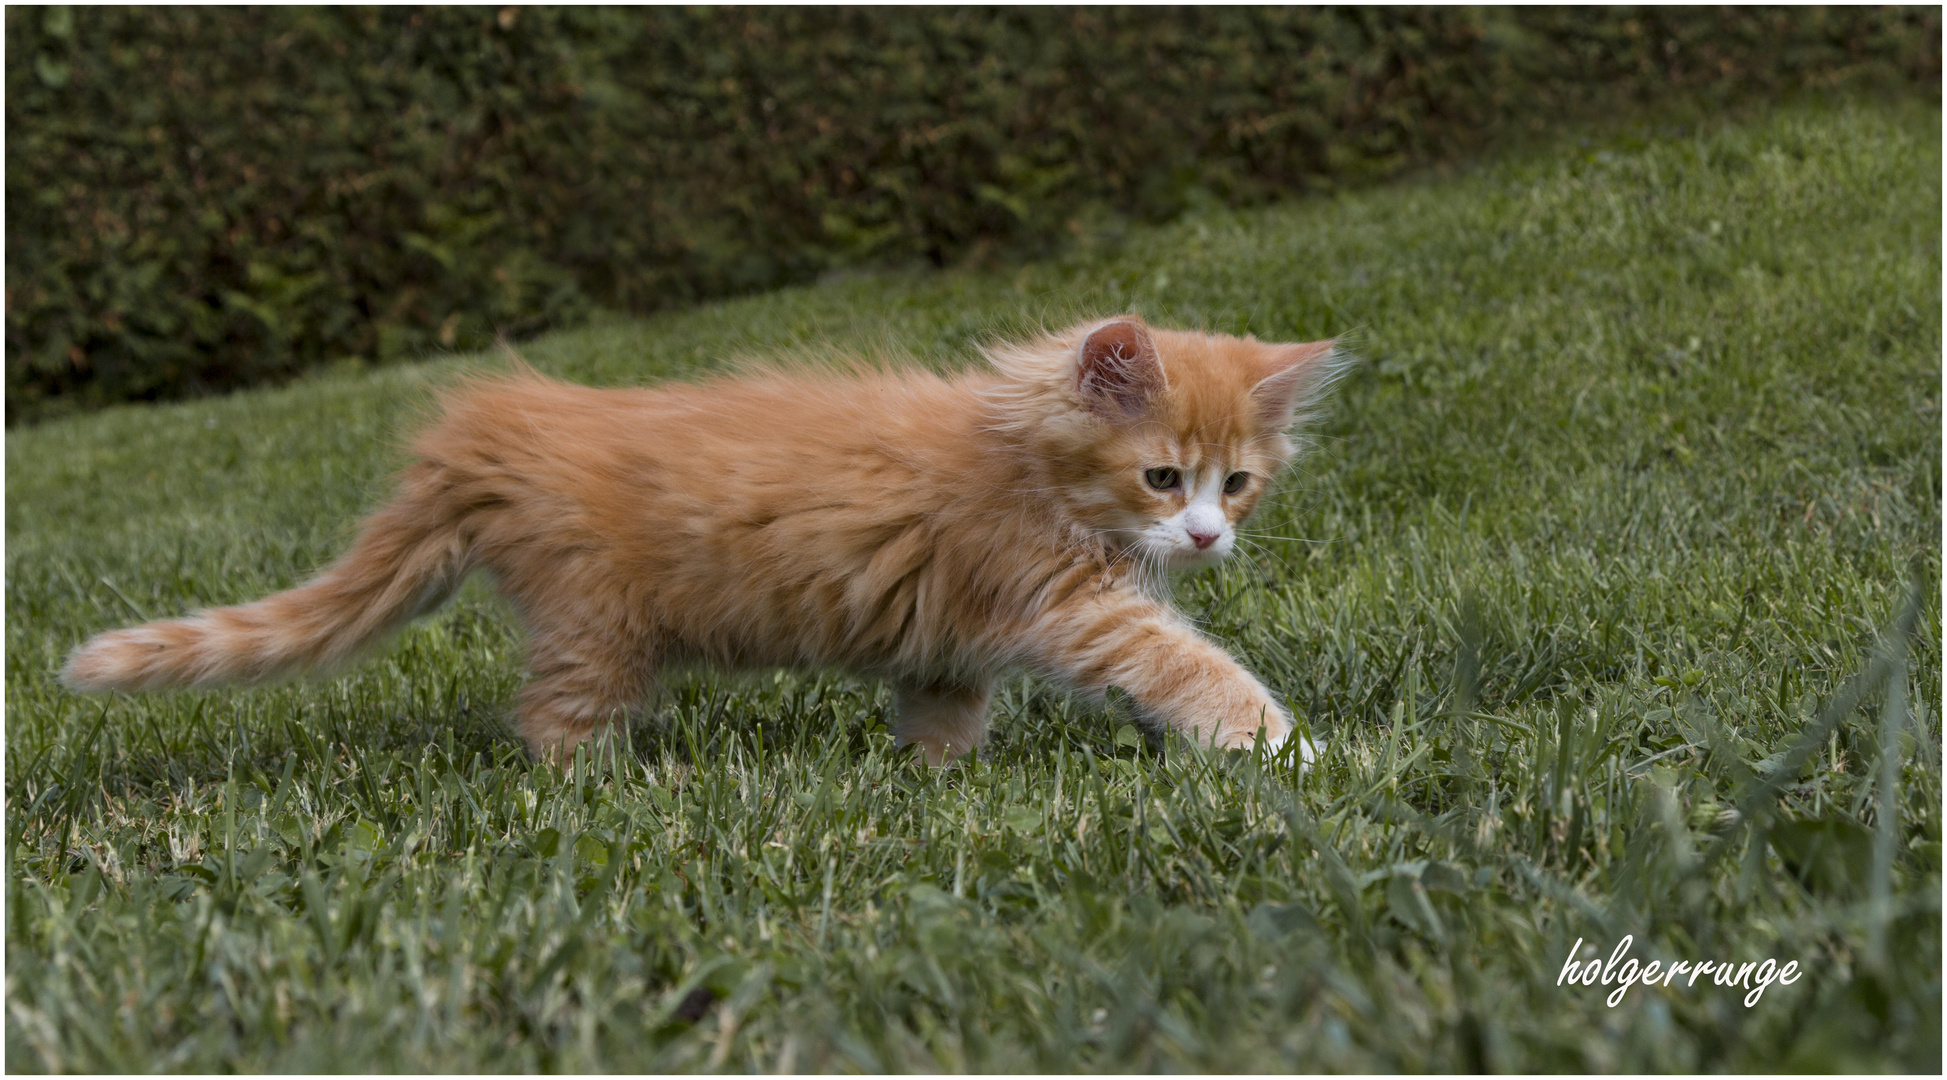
(204, 198)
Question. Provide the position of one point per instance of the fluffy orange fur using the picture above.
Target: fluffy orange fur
(933, 532)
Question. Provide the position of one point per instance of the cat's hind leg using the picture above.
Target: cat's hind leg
(583, 687)
(943, 721)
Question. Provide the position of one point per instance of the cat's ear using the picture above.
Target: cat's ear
(1117, 371)
(1295, 376)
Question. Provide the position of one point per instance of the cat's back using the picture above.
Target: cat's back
(765, 447)
(699, 459)
(738, 423)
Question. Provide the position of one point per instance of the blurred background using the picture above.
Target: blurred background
(200, 199)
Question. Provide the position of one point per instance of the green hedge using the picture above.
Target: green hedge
(203, 198)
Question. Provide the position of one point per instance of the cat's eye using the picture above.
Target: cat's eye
(1235, 482)
(1162, 479)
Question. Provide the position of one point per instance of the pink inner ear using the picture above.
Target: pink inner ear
(1118, 371)
(1294, 371)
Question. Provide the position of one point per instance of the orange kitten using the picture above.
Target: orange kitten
(933, 532)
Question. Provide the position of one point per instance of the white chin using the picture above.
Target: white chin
(1191, 560)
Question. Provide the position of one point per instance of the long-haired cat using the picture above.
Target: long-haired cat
(934, 532)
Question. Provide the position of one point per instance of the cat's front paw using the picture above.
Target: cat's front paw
(1307, 750)
(1275, 733)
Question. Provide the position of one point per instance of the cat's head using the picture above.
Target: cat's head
(1161, 441)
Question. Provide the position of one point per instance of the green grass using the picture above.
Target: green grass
(1601, 586)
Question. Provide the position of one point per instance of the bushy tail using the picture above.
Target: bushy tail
(408, 559)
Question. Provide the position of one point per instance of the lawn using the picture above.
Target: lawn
(1611, 585)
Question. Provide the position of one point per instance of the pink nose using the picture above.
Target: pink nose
(1203, 540)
